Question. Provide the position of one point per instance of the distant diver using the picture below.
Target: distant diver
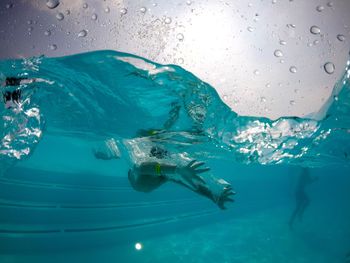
(347, 257)
(302, 199)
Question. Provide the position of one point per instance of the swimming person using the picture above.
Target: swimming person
(152, 166)
(302, 199)
(347, 258)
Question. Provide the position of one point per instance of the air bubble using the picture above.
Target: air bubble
(29, 22)
(94, 16)
(315, 30)
(8, 6)
(320, 8)
(341, 37)
(82, 33)
(256, 72)
(143, 9)
(123, 11)
(188, 2)
(167, 20)
(292, 102)
(250, 29)
(293, 69)
(316, 42)
(107, 10)
(225, 97)
(30, 29)
(47, 33)
(60, 16)
(262, 99)
(329, 67)
(180, 37)
(52, 3)
(53, 47)
(278, 53)
(180, 60)
(274, 1)
(85, 5)
(67, 12)
(330, 4)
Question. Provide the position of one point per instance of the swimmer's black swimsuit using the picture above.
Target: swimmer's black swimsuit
(158, 152)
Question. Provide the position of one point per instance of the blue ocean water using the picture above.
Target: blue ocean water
(59, 202)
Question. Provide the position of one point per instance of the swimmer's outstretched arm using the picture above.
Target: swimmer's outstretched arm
(217, 190)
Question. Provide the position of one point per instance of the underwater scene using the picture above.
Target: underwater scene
(110, 157)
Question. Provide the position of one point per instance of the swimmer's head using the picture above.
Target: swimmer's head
(143, 182)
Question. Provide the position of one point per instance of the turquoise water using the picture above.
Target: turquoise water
(59, 202)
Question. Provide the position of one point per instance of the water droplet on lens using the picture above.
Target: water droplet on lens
(268, 85)
(283, 43)
(53, 47)
(293, 69)
(250, 29)
(329, 67)
(316, 42)
(167, 20)
(274, 1)
(341, 37)
(143, 9)
(278, 53)
(320, 8)
(330, 4)
(315, 30)
(82, 33)
(180, 36)
(47, 33)
(52, 3)
(60, 16)
(107, 10)
(123, 11)
(256, 72)
(94, 17)
(67, 12)
(85, 5)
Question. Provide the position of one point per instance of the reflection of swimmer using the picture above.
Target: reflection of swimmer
(12, 93)
(152, 166)
(302, 199)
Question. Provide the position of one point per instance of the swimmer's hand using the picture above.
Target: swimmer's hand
(190, 173)
(226, 195)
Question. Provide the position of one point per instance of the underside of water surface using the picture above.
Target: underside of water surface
(107, 94)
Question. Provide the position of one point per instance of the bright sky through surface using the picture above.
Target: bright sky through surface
(265, 57)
